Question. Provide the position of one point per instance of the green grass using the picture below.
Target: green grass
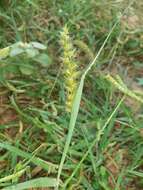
(98, 146)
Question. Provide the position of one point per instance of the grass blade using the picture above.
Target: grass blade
(35, 160)
(93, 143)
(136, 173)
(73, 118)
(35, 183)
(15, 175)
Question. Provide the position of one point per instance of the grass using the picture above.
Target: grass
(98, 146)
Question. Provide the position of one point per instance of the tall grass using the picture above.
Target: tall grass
(77, 99)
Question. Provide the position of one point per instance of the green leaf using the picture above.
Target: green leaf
(140, 81)
(16, 51)
(38, 45)
(133, 44)
(26, 69)
(138, 64)
(32, 52)
(35, 183)
(43, 59)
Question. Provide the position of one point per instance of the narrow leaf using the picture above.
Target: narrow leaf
(35, 183)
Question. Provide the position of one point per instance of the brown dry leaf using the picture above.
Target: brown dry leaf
(35, 171)
(7, 116)
(115, 161)
(133, 21)
(130, 22)
(141, 132)
(111, 165)
(135, 105)
(3, 164)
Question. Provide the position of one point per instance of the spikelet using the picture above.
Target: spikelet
(84, 47)
(69, 67)
(118, 83)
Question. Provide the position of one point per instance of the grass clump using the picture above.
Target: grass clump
(40, 144)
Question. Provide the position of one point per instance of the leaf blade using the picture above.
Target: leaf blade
(34, 183)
